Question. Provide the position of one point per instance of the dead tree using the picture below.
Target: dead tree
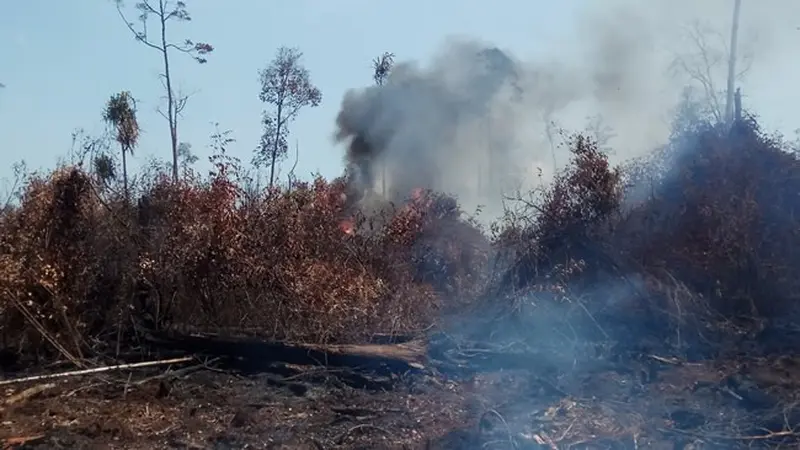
(706, 65)
(165, 11)
(737, 103)
(737, 7)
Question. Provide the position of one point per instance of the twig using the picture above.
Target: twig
(177, 373)
(41, 329)
(12, 442)
(544, 439)
(502, 419)
(340, 439)
(97, 370)
(28, 393)
(674, 361)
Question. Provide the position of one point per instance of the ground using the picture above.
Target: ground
(623, 402)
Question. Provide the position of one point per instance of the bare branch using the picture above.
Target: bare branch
(180, 102)
(161, 112)
(145, 5)
(140, 36)
(183, 49)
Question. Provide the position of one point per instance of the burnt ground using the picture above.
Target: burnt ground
(483, 398)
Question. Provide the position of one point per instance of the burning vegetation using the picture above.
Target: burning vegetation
(691, 250)
(646, 304)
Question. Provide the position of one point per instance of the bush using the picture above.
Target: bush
(700, 234)
(723, 220)
(82, 267)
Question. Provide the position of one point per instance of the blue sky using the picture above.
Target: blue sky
(61, 60)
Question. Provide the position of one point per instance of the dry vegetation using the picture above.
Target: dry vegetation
(82, 271)
(703, 231)
(694, 246)
(695, 242)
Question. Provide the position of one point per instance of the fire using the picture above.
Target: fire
(347, 226)
(417, 199)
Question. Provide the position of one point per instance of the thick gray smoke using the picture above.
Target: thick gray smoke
(479, 123)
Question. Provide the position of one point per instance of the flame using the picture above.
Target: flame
(347, 226)
(418, 200)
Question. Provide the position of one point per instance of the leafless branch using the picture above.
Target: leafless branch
(140, 36)
(98, 370)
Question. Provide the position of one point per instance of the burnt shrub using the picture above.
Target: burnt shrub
(699, 236)
(554, 232)
(450, 253)
(722, 219)
(84, 271)
(58, 274)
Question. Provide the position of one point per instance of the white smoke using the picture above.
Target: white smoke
(478, 123)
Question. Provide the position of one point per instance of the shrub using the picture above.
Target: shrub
(84, 271)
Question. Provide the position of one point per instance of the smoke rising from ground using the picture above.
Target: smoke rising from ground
(478, 122)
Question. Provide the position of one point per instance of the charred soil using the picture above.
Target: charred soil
(649, 401)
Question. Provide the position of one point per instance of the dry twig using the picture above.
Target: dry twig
(97, 370)
(28, 393)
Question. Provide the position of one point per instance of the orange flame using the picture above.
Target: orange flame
(418, 200)
(347, 226)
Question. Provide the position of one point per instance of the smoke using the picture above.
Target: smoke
(479, 123)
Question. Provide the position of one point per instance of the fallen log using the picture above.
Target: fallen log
(405, 356)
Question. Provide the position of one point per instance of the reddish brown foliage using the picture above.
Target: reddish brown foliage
(195, 254)
(706, 229)
(556, 231)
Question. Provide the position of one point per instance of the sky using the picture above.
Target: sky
(61, 60)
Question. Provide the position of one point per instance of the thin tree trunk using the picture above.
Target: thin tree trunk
(172, 116)
(383, 178)
(737, 105)
(275, 146)
(125, 174)
(732, 62)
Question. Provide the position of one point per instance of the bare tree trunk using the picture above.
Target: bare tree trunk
(275, 146)
(125, 173)
(732, 62)
(172, 117)
(383, 178)
(737, 103)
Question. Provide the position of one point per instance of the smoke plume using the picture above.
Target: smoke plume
(479, 123)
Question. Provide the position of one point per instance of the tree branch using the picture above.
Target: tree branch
(149, 8)
(141, 37)
(184, 49)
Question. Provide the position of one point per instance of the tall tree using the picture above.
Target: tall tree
(381, 69)
(164, 11)
(120, 113)
(285, 86)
